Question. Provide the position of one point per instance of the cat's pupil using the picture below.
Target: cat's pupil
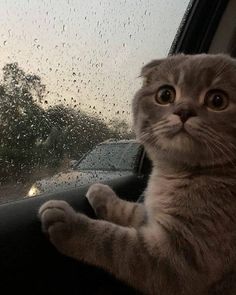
(166, 96)
(217, 101)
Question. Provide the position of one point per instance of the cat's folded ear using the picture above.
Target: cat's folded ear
(148, 69)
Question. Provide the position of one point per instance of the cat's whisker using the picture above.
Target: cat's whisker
(146, 138)
(160, 124)
(215, 134)
(228, 150)
(216, 150)
(157, 131)
(224, 152)
(211, 152)
(162, 130)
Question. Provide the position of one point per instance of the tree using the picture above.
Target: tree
(22, 122)
(77, 132)
(120, 129)
(31, 136)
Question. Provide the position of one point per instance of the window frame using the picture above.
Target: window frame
(194, 36)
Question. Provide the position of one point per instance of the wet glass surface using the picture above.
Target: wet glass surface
(68, 72)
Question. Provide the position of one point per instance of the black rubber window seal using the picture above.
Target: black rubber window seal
(198, 26)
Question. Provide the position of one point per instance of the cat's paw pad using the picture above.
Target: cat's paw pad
(98, 195)
(57, 218)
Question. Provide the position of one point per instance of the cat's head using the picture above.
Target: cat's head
(186, 109)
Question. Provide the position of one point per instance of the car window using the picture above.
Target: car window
(111, 157)
(68, 72)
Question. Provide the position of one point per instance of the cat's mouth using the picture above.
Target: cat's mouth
(179, 130)
(184, 130)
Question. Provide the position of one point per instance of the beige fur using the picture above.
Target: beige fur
(182, 240)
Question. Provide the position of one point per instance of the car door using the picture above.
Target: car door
(106, 49)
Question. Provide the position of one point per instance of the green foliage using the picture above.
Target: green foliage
(31, 136)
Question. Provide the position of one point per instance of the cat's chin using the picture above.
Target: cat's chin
(185, 151)
(181, 148)
(181, 142)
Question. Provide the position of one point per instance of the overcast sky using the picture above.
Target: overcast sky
(88, 53)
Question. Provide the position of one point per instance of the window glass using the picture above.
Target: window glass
(110, 157)
(68, 72)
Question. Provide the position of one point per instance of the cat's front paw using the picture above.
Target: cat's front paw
(58, 221)
(99, 195)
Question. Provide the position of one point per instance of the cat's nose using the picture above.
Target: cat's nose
(185, 114)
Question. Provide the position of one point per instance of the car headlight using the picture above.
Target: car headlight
(33, 191)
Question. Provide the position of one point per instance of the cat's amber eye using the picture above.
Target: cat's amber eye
(216, 100)
(165, 95)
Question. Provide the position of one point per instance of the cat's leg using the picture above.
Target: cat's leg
(108, 206)
(131, 255)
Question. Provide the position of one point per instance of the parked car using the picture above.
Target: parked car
(108, 160)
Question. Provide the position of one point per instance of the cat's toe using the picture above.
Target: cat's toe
(98, 191)
(56, 216)
(98, 196)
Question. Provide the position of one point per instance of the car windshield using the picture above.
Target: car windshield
(111, 157)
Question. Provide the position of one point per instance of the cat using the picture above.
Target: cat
(182, 239)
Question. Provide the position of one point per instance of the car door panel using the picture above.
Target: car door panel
(27, 256)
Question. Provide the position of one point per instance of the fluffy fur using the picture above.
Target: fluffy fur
(182, 240)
